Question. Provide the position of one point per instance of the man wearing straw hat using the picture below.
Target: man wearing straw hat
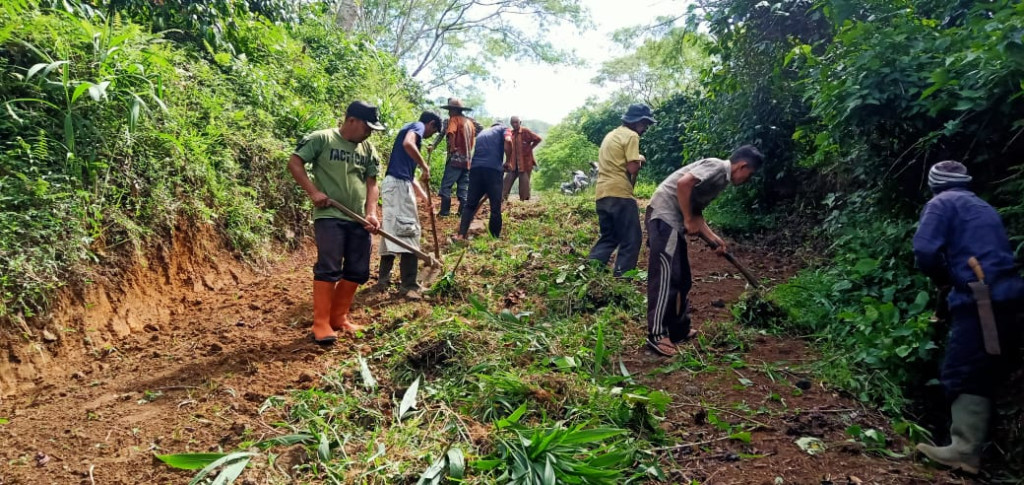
(460, 133)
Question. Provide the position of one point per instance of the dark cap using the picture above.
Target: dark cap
(365, 112)
(638, 112)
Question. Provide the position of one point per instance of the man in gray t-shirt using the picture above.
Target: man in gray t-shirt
(676, 209)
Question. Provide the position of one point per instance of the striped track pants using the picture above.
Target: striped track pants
(668, 283)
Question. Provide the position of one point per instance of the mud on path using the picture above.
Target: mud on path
(181, 357)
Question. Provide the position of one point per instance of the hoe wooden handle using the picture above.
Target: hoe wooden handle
(430, 260)
(732, 259)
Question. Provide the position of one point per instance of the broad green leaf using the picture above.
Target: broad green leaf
(599, 348)
(433, 472)
(611, 459)
(865, 265)
(323, 450)
(34, 69)
(53, 65)
(549, 473)
(456, 463)
(409, 400)
(82, 87)
(227, 459)
(542, 445)
(743, 436)
(190, 461)
(69, 133)
(513, 418)
(287, 440)
(231, 471)
(485, 465)
(98, 92)
(591, 435)
(919, 303)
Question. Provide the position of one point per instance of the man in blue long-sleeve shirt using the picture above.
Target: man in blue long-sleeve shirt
(955, 226)
(492, 146)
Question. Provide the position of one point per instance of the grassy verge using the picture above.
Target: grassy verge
(511, 375)
(116, 132)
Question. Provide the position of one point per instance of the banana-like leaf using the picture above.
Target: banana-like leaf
(231, 472)
(456, 463)
(287, 440)
(190, 461)
(591, 435)
(409, 400)
(324, 450)
(230, 461)
(82, 87)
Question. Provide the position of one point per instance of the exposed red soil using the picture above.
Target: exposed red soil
(215, 338)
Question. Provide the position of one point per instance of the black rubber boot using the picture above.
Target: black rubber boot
(462, 205)
(446, 207)
(387, 262)
(407, 267)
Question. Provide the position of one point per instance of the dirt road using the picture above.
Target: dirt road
(180, 357)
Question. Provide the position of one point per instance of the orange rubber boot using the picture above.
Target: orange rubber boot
(323, 296)
(344, 293)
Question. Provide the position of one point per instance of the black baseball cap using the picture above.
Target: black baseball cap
(366, 112)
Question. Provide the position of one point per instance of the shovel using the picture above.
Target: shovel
(732, 259)
(431, 261)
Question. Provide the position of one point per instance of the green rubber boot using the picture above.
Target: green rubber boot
(968, 433)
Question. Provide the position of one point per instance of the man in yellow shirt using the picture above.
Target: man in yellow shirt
(618, 215)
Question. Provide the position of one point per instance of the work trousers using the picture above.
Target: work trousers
(454, 176)
(342, 250)
(668, 283)
(618, 219)
(524, 185)
(967, 368)
(483, 181)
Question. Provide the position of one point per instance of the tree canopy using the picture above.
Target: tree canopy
(442, 42)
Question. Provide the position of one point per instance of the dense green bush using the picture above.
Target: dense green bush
(114, 136)
(868, 309)
(851, 102)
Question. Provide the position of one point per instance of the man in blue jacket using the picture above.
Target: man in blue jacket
(955, 226)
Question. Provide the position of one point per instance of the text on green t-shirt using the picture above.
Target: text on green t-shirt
(340, 169)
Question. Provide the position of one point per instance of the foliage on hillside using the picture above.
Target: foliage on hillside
(851, 102)
(125, 121)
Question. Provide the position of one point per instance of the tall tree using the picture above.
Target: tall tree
(443, 41)
(661, 66)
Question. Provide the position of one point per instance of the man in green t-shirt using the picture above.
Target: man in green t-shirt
(344, 168)
(618, 215)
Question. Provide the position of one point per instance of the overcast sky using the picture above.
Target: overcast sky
(549, 93)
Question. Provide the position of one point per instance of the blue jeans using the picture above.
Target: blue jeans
(451, 177)
(619, 221)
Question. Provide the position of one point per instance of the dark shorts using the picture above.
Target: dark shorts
(343, 251)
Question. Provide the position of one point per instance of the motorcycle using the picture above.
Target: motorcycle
(579, 182)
